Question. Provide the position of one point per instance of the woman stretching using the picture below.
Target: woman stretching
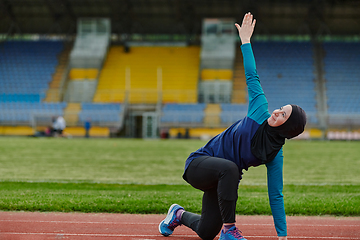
(216, 168)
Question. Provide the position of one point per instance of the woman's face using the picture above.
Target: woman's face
(279, 116)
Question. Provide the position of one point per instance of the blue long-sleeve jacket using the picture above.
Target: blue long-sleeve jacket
(234, 143)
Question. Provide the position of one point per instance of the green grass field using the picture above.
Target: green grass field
(139, 176)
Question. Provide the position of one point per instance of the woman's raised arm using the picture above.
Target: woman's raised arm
(247, 28)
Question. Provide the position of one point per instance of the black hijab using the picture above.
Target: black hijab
(268, 140)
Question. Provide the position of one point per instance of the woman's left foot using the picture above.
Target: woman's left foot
(232, 234)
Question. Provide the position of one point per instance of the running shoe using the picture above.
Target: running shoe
(232, 234)
(167, 226)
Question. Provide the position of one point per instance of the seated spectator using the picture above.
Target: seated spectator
(58, 126)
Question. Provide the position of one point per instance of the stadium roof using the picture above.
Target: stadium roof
(335, 17)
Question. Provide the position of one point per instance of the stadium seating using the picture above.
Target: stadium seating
(100, 113)
(232, 112)
(180, 66)
(18, 97)
(183, 113)
(286, 71)
(93, 132)
(24, 112)
(16, 130)
(342, 74)
(26, 69)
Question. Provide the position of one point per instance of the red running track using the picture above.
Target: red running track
(78, 226)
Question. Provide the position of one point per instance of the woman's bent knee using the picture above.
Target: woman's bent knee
(207, 235)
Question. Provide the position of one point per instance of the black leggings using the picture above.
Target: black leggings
(218, 178)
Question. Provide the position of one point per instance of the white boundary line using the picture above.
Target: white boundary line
(139, 235)
(134, 223)
(180, 184)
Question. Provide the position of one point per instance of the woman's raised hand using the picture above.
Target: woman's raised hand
(247, 28)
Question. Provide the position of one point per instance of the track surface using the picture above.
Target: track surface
(78, 226)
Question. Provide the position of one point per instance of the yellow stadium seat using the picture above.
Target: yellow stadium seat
(179, 67)
(74, 131)
(316, 133)
(216, 74)
(83, 73)
(17, 130)
(195, 132)
(99, 132)
(94, 131)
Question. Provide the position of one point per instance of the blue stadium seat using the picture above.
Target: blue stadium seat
(100, 112)
(183, 113)
(23, 111)
(286, 71)
(342, 74)
(26, 69)
(230, 113)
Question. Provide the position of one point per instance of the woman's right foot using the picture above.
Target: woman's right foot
(167, 226)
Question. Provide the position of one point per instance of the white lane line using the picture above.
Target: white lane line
(93, 234)
(149, 235)
(152, 184)
(77, 222)
(134, 223)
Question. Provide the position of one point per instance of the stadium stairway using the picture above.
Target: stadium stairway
(216, 74)
(239, 94)
(71, 114)
(81, 85)
(80, 74)
(212, 115)
(53, 93)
